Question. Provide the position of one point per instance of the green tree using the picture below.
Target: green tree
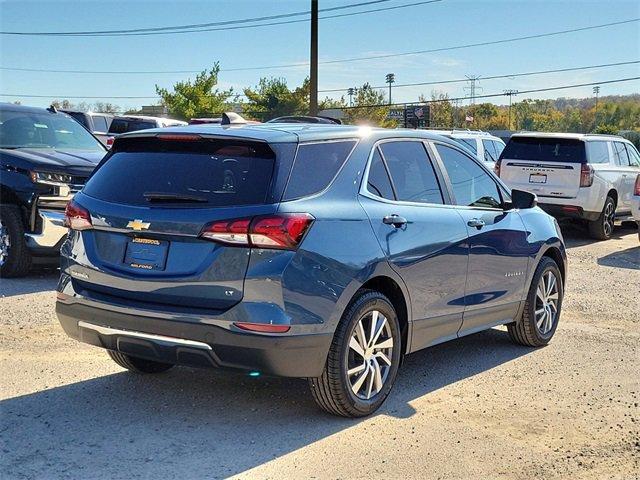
(441, 110)
(272, 98)
(369, 109)
(198, 97)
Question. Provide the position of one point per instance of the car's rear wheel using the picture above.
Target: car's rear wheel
(15, 259)
(602, 227)
(138, 365)
(542, 307)
(363, 360)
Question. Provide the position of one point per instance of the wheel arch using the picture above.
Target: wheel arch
(554, 253)
(613, 193)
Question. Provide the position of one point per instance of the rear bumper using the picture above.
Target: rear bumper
(568, 211)
(195, 344)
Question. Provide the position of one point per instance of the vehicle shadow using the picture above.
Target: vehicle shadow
(577, 236)
(629, 258)
(191, 422)
(40, 279)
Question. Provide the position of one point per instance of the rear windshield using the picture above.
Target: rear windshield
(545, 149)
(205, 173)
(124, 126)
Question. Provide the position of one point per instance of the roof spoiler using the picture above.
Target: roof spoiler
(232, 118)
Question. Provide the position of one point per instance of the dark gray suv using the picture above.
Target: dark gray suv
(319, 251)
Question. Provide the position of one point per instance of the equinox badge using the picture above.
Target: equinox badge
(138, 225)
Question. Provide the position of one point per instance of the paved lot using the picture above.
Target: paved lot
(479, 407)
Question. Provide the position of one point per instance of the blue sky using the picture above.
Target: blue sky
(447, 23)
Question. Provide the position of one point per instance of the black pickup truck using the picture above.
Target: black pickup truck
(45, 158)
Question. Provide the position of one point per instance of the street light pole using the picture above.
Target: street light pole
(313, 62)
(510, 93)
(596, 91)
(391, 78)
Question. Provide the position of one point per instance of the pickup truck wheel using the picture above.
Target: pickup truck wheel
(15, 258)
(602, 227)
(363, 359)
(138, 365)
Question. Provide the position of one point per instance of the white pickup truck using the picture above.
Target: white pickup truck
(579, 176)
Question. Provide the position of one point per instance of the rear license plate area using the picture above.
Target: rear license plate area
(537, 178)
(146, 253)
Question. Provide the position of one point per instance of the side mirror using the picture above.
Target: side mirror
(521, 199)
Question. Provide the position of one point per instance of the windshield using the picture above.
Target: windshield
(44, 130)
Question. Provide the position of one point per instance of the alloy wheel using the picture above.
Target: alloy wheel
(5, 243)
(370, 355)
(547, 298)
(608, 219)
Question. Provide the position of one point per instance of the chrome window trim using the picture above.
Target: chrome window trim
(364, 191)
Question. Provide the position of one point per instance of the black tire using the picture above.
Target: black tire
(332, 391)
(602, 227)
(138, 365)
(527, 332)
(17, 261)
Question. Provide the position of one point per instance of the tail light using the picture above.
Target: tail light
(110, 142)
(284, 231)
(586, 175)
(496, 167)
(636, 189)
(77, 217)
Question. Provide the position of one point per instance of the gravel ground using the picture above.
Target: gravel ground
(478, 407)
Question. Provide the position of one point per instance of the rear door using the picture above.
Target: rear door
(149, 202)
(546, 166)
(427, 244)
(498, 257)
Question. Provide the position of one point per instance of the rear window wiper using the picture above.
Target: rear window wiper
(173, 197)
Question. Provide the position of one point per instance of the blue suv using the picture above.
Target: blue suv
(320, 251)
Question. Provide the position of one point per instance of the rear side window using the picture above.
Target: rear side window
(469, 143)
(412, 173)
(598, 152)
(566, 150)
(378, 181)
(634, 157)
(499, 146)
(490, 154)
(620, 154)
(206, 173)
(472, 186)
(315, 166)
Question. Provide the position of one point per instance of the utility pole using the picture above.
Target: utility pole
(510, 93)
(391, 78)
(596, 91)
(473, 88)
(351, 92)
(313, 62)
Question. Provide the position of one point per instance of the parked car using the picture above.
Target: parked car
(97, 123)
(576, 176)
(133, 123)
(486, 147)
(635, 203)
(319, 251)
(45, 158)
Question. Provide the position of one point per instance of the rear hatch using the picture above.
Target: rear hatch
(546, 166)
(149, 202)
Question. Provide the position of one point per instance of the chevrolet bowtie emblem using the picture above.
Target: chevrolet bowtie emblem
(138, 225)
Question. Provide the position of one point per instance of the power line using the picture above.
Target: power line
(520, 92)
(301, 64)
(196, 25)
(234, 27)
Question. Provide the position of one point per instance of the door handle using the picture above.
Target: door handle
(476, 222)
(395, 220)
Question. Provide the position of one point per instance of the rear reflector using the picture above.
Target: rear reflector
(76, 217)
(262, 327)
(284, 231)
(586, 175)
(496, 167)
(570, 208)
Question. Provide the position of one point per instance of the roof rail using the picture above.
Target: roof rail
(602, 135)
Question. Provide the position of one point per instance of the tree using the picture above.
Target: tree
(441, 110)
(369, 108)
(198, 97)
(272, 98)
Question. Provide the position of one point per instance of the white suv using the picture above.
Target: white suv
(484, 146)
(589, 177)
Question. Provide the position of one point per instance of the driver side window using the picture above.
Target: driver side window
(472, 186)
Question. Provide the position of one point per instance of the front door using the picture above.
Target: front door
(498, 257)
(424, 239)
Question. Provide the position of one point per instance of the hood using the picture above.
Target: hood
(76, 162)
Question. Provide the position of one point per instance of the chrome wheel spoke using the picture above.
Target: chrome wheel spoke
(357, 369)
(370, 381)
(356, 347)
(355, 386)
(388, 343)
(383, 357)
(377, 375)
(381, 323)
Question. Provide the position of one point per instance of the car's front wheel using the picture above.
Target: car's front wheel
(363, 360)
(138, 365)
(542, 307)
